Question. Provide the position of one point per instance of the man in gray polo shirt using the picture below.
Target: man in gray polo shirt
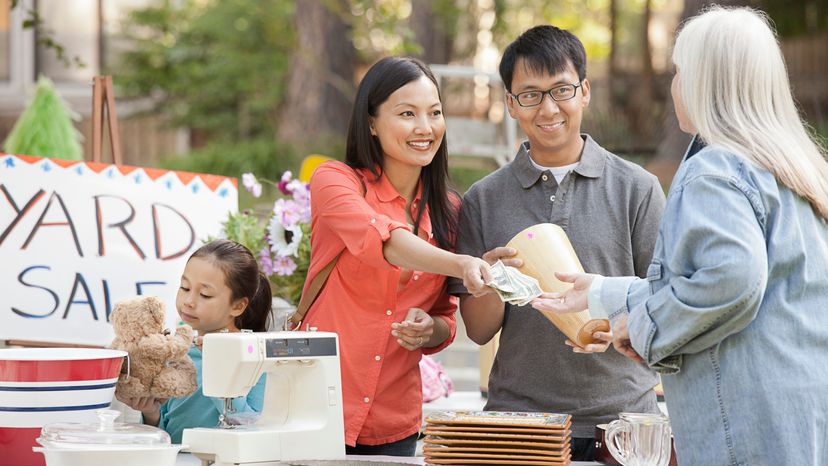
(609, 208)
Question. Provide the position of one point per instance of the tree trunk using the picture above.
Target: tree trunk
(320, 88)
(431, 32)
(641, 104)
(673, 141)
(613, 54)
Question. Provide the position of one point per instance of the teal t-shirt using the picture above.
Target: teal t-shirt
(198, 410)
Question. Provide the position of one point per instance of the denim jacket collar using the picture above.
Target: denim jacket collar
(696, 145)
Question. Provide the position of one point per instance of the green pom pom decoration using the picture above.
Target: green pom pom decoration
(45, 128)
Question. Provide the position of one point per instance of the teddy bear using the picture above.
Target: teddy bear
(158, 364)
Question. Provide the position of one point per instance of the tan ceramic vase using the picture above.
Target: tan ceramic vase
(545, 249)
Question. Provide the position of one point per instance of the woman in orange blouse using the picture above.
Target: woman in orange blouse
(388, 209)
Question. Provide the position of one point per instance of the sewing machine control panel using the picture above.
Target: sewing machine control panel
(299, 347)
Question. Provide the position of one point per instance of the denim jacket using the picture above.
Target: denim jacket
(734, 314)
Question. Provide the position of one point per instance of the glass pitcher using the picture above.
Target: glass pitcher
(638, 439)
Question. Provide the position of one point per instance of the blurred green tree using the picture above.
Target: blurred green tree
(218, 67)
(277, 70)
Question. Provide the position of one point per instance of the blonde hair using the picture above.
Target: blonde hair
(735, 90)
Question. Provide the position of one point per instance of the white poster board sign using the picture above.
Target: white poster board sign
(77, 237)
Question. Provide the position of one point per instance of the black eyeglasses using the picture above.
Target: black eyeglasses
(558, 93)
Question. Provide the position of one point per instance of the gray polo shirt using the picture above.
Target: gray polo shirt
(610, 210)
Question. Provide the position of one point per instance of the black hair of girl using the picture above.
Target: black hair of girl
(245, 280)
(364, 151)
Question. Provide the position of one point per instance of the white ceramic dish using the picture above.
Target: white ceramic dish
(113, 455)
(106, 443)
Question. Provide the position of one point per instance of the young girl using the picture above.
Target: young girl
(222, 290)
(392, 217)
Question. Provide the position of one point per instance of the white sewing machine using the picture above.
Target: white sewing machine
(302, 414)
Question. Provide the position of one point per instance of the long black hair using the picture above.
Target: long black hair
(364, 150)
(245, 280)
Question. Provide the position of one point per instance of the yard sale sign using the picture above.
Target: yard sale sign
(77, 237)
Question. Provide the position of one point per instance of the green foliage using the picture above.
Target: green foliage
(45, 128)
(265, 157)
(45, 37)
(383, 27)
(463, 177)
(588, 20)
(219, 65)
(797, 18)
(245, 228)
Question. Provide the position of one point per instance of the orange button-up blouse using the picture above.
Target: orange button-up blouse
(364, 295)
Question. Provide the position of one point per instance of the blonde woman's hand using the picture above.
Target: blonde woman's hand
(575, 299)
(621, 339)
(415, 331)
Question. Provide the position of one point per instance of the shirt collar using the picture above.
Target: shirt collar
(696, 145)
(592, 163)
(386, 193)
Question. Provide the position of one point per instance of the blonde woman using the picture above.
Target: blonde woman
(733, 310)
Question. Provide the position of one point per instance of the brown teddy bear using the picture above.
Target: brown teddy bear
(158, 363)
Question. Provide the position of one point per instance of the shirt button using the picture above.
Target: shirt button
(377, 358)
(544, 177)
(552, 198)
(373, 220)
(366, 399)
(416, 277)
(388, 312)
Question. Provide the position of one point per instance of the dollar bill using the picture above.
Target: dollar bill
(501, 281)
(512, 286)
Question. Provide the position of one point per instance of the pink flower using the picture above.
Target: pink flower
(290, 212)
(265, 261)
(284, 265)
(300, 191)
(248, 180)
(252, 184)
(284, 184)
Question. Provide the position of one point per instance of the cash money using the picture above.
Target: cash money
(513, 286)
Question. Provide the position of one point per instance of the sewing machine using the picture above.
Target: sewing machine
(302, 414)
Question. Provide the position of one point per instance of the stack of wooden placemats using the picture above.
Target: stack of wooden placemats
(493, 437)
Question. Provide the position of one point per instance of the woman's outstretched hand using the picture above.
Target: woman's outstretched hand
(476, 273)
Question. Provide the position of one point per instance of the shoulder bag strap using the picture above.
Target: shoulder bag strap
(295, 320)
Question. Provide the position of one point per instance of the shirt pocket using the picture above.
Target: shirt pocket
(654, 276)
